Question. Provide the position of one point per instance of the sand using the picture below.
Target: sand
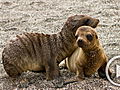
(48, 16)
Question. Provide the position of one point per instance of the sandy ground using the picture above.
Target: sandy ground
(48, 16)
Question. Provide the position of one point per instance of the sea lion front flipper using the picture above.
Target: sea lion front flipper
(101, 71)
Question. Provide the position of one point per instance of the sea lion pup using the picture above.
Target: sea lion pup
(38, 52)
(89, 57)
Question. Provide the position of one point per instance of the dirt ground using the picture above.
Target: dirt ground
(48, 16)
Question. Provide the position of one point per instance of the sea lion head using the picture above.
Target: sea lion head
(86, 37)
(74, 22)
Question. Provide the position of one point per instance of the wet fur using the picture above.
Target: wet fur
(38, 52)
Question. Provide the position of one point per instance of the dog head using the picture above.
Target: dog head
(86, 37)
(76, 21)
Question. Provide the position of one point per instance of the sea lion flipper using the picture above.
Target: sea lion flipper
(101, 71)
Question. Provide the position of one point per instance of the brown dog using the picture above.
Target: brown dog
(38, 52)
(89, 57)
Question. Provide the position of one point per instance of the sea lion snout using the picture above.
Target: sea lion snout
(80, 42)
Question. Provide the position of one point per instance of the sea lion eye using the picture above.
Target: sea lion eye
(76, 36)
(87, 22)
(89, 37)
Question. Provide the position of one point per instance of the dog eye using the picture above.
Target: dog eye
(76, 36)
(89, 37)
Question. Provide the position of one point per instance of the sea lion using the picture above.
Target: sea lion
(89, 57)
(38, 51)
